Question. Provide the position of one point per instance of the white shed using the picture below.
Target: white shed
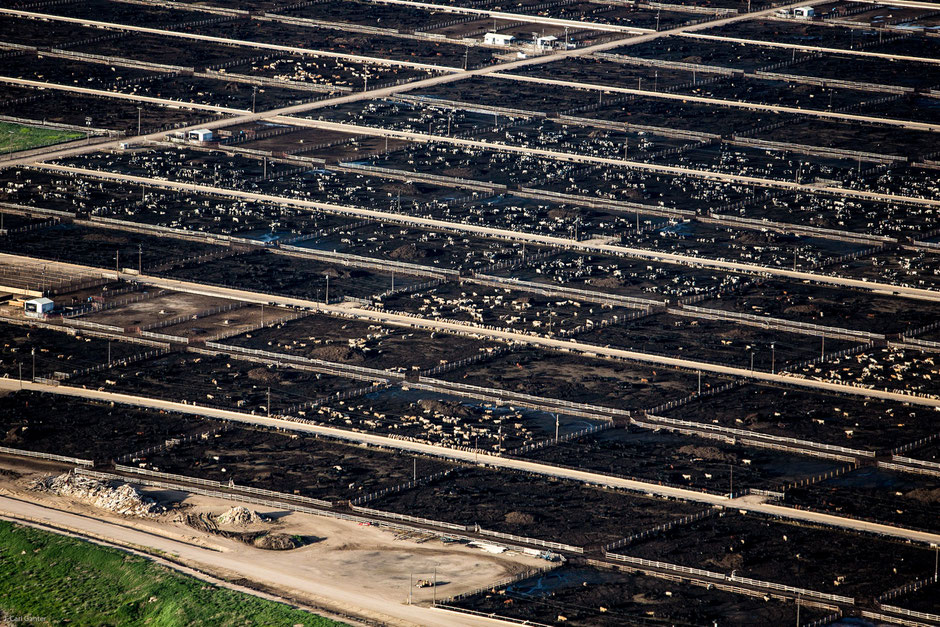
(38, 307)
(804, 12)
(546, 43)
(496, 39)
(201, 135)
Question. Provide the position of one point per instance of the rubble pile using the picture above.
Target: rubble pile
(123, 499)
(240, 517)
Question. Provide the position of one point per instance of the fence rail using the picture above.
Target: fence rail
(550, 405)
(752, 434)
(905, 589)
(777, 324)
(49, 456)
(371, 374)
(613, 300)
(892, 620)
(708, 513)
(502, 583)
(909, 469)
(558, 546)
(414, 519)
(401, 487)
(757, 583)
(218, 484)
(84, 324)
(568, 437)
(172, 442)
(933, 618)
(369, 262)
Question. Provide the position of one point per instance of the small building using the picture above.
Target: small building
(200, 135)
(804, 12)
(496, 39)
(547, 43)
(38, 307)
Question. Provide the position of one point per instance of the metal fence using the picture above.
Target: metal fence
(401, 487)
(124, 361)
(84, 324)
(892, 620)
(502, 583)
(614, 300)
(757, 583)
(558, 546)
(751, 434)
(358, 261)
(919, 462)
(448, 181)
(49, 456)
(204, 435)
(777, 324)
(359, 372)
(906, 589)
(466, 361)
(708, 513)
(568, 437)
(219, 484)
(414, 519)
(933, 618)
(178, 339)
(205, 313)
(550, 405)
(909, 469)
(240, 330)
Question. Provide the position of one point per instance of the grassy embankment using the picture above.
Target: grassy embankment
(16, 137)
(57, 578)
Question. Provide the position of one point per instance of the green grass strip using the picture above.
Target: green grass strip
(49, 577)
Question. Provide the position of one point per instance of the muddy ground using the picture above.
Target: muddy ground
(91, 430)
(219, 382)
(681, 460)
(293, 464)
(447, 420)
(105, 248)
(715, 341)
(822, 559)
(56, 351)
(363, 344)
(849, 421)
(609, 383)
(532, 506)
(895, 498)
(596, 597)
(263, 271)
(830, 306)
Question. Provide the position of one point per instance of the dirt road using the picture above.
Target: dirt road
(355, 570)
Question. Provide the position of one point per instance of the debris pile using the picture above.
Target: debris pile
(240, 517)
(277, 542)
(123, 499)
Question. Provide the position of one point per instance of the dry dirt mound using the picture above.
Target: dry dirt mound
(925, 495)
(337, 352)
(519, 518)
(408, 251)
(123, 499)
(610, 281)
(240, 517)
(263, 375)
(706, 452)
(276, 542)
(446, 408)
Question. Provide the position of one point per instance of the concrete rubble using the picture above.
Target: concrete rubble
(240, 517)
(123, 499)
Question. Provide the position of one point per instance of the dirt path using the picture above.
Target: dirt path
(353, 570)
